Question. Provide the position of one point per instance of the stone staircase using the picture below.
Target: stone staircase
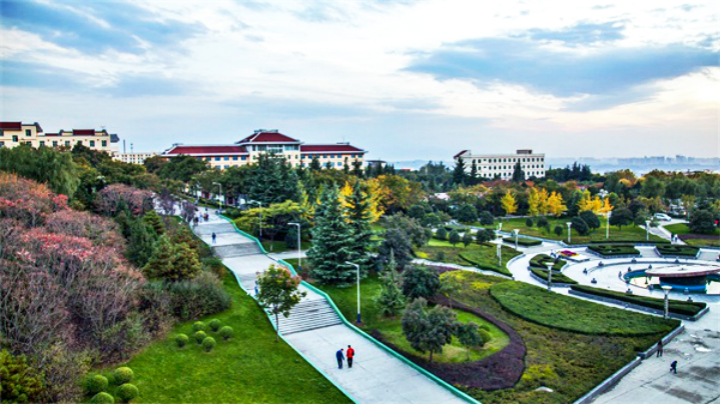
(237, 250)
(308, 315)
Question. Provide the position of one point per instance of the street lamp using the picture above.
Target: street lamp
(221, 194)
(357, 267)
(549, 267)
(647, 230)
(298, 243)
(259, 218)
(607, 228)
(499, 249)
(516, 231)
(569, 225)
(666, 288)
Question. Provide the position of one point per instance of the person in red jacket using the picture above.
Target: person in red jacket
(350, 355)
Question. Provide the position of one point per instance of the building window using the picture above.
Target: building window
(67, 143)
(226, 158)
(104, 143)
(339, 164)
(243, 158)
(226, 166)
(92, 143)
(217, 158)
(29, 143)
(15, 138)
(54, 143)
(42, 143)
(2, 144)
(28, 132)
(79, 142)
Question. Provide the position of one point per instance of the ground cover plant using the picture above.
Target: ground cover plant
(556, 277)
(608, 250)
(542, 260)
(681, 250)
(482, 256)
(675, 306)
(567, 362)
(523, 241)
(553, 310)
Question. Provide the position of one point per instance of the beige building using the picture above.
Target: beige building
(133, 158)
(502, 165)
(13, 134)
(248, 150)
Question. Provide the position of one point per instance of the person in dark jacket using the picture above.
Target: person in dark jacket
(660, 349)
(214, 236)
(350, 356)
(340, 357)
(673, 367)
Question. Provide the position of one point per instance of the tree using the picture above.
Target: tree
(54, 168)
(359, 216)
(182, 168)
(688, 203)
(278, 293)
(272, 181)
(467, 238)
(160, 262)
(518, 175)
(19, 381)
(357, 169)
(441, 234)
(533, 202)
(580, 226)
(412, 227)
(449, 286)
(473, 173)
(420, 281)
(702, 222)
(466, 213)
(458, 175)
(141, 242)
(454, 237)
(484, 235)
(391, 299)
(396, 243)
(185, 264)
(529, 222)
(590, 219)
(428, 330)
(315, 164)
(508, 203)
(486, 218)
(621, 217)
(558, 230)
(469, 336)
(333, 244)
(153, 220)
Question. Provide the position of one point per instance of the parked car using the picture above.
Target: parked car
(663, 217)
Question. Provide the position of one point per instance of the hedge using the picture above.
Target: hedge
(541, 261)
(487, 267)
(683, 250)
(614, 249)
(621, 242)
(556, 277)
(525, 242)
(675, 306)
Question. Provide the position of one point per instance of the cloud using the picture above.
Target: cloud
(32, 75)
(583, 33)
(139, 85)
(95, 27)
(606, 73)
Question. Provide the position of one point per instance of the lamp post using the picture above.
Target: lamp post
(666, 288)
(607, 228)
(357, 267)
(259, 218)
(549, 267)
(569, 225)
(221, 194)
(298, 244)
(499, 249)
(647, 230)
(516, 231)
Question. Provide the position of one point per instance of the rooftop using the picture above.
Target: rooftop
(268, 136)
(324, 148)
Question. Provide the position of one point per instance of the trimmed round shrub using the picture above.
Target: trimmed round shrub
(558, 230)
(96, 384)
(199, 326)
(102, 398)
(127, 392)
(542, 222)
(123, 375)
(227, 332)
(529, 222)
(199, 336)
(208, 343)
(215, 325)
(181, 340)
(486, 337)
(485, 327)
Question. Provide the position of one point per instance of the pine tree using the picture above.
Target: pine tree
(160, 262)
(357, 169)
(458, 176)
(333, 242)
(359, 217)
(391, 299)
(473, 173)
(518, 175)
(315, 164)
(153, 220)
(185, 264)
(346, 167)
(141, 242)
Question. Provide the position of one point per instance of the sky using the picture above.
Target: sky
(403, 79)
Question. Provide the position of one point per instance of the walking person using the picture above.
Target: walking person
(340, 357)
(673, 367)
(350, 356)
(214, 236)
(660, 349)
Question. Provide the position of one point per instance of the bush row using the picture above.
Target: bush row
(525, 242)
(541, 261)
(556, 277)
(677, 307)
(683, 250)
(614, 249)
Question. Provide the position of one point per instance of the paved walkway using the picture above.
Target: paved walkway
(376, 376)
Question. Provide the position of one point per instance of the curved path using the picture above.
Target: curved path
(376, 376)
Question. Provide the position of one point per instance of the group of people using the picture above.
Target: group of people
(340, 356)
(673, 364)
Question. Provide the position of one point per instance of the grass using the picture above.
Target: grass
(249, 368)
(482, 256)
(569, 363)
(610, 250)
(542, 260)
(697, 240)
(279, 246)
(391, 328)
(551, 309)
(626, 233)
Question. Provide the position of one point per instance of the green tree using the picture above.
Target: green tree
(357, 169)
(185, 264)
(141, 241)
(454, 237)
(467, 238)
(702, 222)
(272, 181)
(428, 330)
(473, 178)
(278, 293)
(621, 217)
(54, 168)
(19, 382)
(591, 219)
(359, 216)
(579, 226)
(466, 213)
(315, 164)
(160, 262)
(391, 299)
(518, 175)
(182, 168)
(420, 281)
(152, 219)
(469, 335)
(484, 235)
(486, 218)
(412, 227)
(441, 234)
(396, 243)
(458, 175)
(333, 244)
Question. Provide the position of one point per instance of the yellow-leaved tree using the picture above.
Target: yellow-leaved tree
(534, 202)
(375, 210)
(588, 203)
(543, 198)
(509, 203)
(556, 205)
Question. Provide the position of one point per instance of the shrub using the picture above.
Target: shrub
(675, 306)
(123, 375)
(199, 336)
(486, 218)
(477, 260)
(215, 324)
(607, 250)
(226, 332)
(199, 326)
(440, 256)
(543, 222)
(590, 219)
(198, 297)
(127, 392)
(181, 340)
(529, 222)
(96, 384)
(702, 222)
(579, 226)
(102, 398)
(420, 281)
(19, 382)
(558, 230)
(525, 242)
(541, 261)
(680, 250)
(208, 343)
(485, 335)
(441, 234)
(556, 277)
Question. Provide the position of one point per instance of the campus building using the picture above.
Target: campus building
(502, 165)
(134, 158)
(17, 133)
(248, 150)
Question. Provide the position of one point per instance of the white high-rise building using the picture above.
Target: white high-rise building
(502, 165)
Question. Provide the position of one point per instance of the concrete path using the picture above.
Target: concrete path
(376, 376)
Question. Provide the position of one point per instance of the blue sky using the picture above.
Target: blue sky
(404, 79)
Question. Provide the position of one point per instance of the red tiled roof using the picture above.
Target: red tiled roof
(459, 154)
(192, 150)
(272, 137)
(11, 125)
(329, 148)
(83, 132)
(51, 134)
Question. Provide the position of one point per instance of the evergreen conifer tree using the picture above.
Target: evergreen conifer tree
(315, 164)
(458, 175)
(391, 299)
(473, 173)
(357, 169)
(333, 242)
(518, 175)
(185, 264)
(359, 220)
(153, 220)
(161, 260)
(141, 242)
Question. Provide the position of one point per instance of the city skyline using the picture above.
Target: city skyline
(403, 80)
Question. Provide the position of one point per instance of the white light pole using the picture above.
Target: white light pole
(607, 228)
(221, 194)
(569, 225)
(499, 249)
(647, 230)
(298, 244)
(357, 267)
(549, 267)
(516, 231)
(666, 288)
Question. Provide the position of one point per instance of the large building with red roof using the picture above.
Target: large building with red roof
(248, 150)
(14, 134)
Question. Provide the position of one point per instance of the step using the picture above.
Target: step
(291, 321)
(284, 326)
(307, 328)
(237, 250)
(217, 228)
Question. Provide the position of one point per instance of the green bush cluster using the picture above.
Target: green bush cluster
(556, 277)
(199, 336)
(607, 250)
(102, 398)
(215, 325)
(675, 306)
(682, 250)
(127, 392)
(199, 326)
(523, 241)
(208, 343)
(123, 375)
(541, 261)
(96, 384)
(181, 340)
(227, 332)
(474, 258)
(19, 382)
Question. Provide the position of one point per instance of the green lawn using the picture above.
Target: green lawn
(279, 246)
(683, 229)
(483, 256)
(249, 368)
(391, 328)
(569, 363)
(626, 233)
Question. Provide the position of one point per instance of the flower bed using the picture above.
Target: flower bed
(542, 260)
(678, 250)
(614, 250)
(525, 242)
(675, 306)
